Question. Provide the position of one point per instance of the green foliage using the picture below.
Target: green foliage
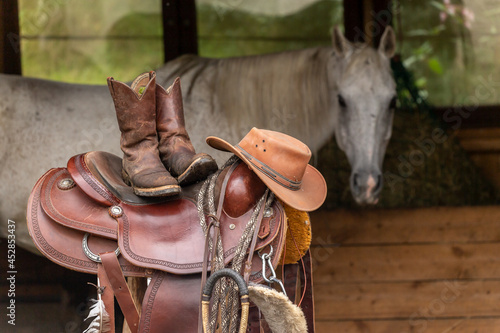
(437, 46)
(419, 171)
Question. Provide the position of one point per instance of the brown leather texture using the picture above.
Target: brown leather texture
(156, 236)
(122, 293)
(176, 150)
(165, 236)
(62, 244)
(171, 304)
(136, 115)
(175, 147)
(281, 162)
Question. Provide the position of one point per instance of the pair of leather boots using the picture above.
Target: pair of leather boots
(158, 156)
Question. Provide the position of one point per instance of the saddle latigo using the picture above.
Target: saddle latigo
(158, 155)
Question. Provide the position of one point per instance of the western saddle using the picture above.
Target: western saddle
(85, 218)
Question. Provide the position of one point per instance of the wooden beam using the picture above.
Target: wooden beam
(179, 28)
(432, 325)
(10, 51)
(445, 299)
(353, 20)
(407, 263)
(365, 20)
(404, 226)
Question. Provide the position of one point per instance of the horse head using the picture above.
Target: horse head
(364, 107)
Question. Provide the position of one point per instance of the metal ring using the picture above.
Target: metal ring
(216, 221)
(91, 255)
(265, 256)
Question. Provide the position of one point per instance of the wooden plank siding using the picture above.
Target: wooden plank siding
(407, 270)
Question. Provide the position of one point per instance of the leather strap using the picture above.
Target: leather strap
(121, 290)
(248, 264)
(107, 296)
(216, 224)
(290, 280)
(308, 301)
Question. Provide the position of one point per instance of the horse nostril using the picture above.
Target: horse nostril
(355, 180)
(379, 183)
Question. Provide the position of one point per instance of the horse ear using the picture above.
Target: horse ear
(340, 44)
(388, 42)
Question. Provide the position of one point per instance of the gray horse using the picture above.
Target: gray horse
(310, 94)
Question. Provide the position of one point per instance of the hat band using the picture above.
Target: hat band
(269, 172)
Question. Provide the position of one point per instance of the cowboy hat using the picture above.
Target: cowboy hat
(281, 162)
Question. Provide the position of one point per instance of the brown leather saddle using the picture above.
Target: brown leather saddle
(84, 217)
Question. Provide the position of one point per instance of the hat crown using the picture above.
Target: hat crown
(281, 162)
(279, 152)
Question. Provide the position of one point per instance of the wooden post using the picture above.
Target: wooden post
(353, 20)
(365, 20)
(137, 288)
(179, 28)
(382, 15)
(10, 50)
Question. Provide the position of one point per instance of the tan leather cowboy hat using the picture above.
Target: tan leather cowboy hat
(281, 162)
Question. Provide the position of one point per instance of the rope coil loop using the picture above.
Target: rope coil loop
(207, 294)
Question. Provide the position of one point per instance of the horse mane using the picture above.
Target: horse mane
(293, 92)
(286, 92)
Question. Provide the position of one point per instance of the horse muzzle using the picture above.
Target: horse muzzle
(366, 187)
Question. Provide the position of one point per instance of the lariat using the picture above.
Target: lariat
(225, 299)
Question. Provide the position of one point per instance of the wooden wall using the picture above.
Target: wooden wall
(483, 147)
(427, 270)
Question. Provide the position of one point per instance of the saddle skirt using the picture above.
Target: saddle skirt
(90, 197)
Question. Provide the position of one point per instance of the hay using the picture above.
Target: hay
(424, 163)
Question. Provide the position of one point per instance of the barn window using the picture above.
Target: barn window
(86, 41)
(238, 27)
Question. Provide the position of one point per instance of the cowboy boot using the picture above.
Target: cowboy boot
(176, 150)
(136, 113)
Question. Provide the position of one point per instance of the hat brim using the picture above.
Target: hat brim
(309, 197)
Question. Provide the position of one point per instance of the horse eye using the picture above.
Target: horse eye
(393, 103)
(342, 102)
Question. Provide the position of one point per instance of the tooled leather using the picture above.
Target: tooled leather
(171, 304)
(73, 208)
(61, 205)
(62, 245)
(81, 174)
(149, 301)
(147, 250)
(277, 245)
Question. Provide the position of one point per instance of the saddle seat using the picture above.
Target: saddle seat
(163, 234)
(80, 214)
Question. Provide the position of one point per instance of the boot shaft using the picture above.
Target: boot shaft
(170, 112)
(136, 114)
(135, 105)
(176, 149)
